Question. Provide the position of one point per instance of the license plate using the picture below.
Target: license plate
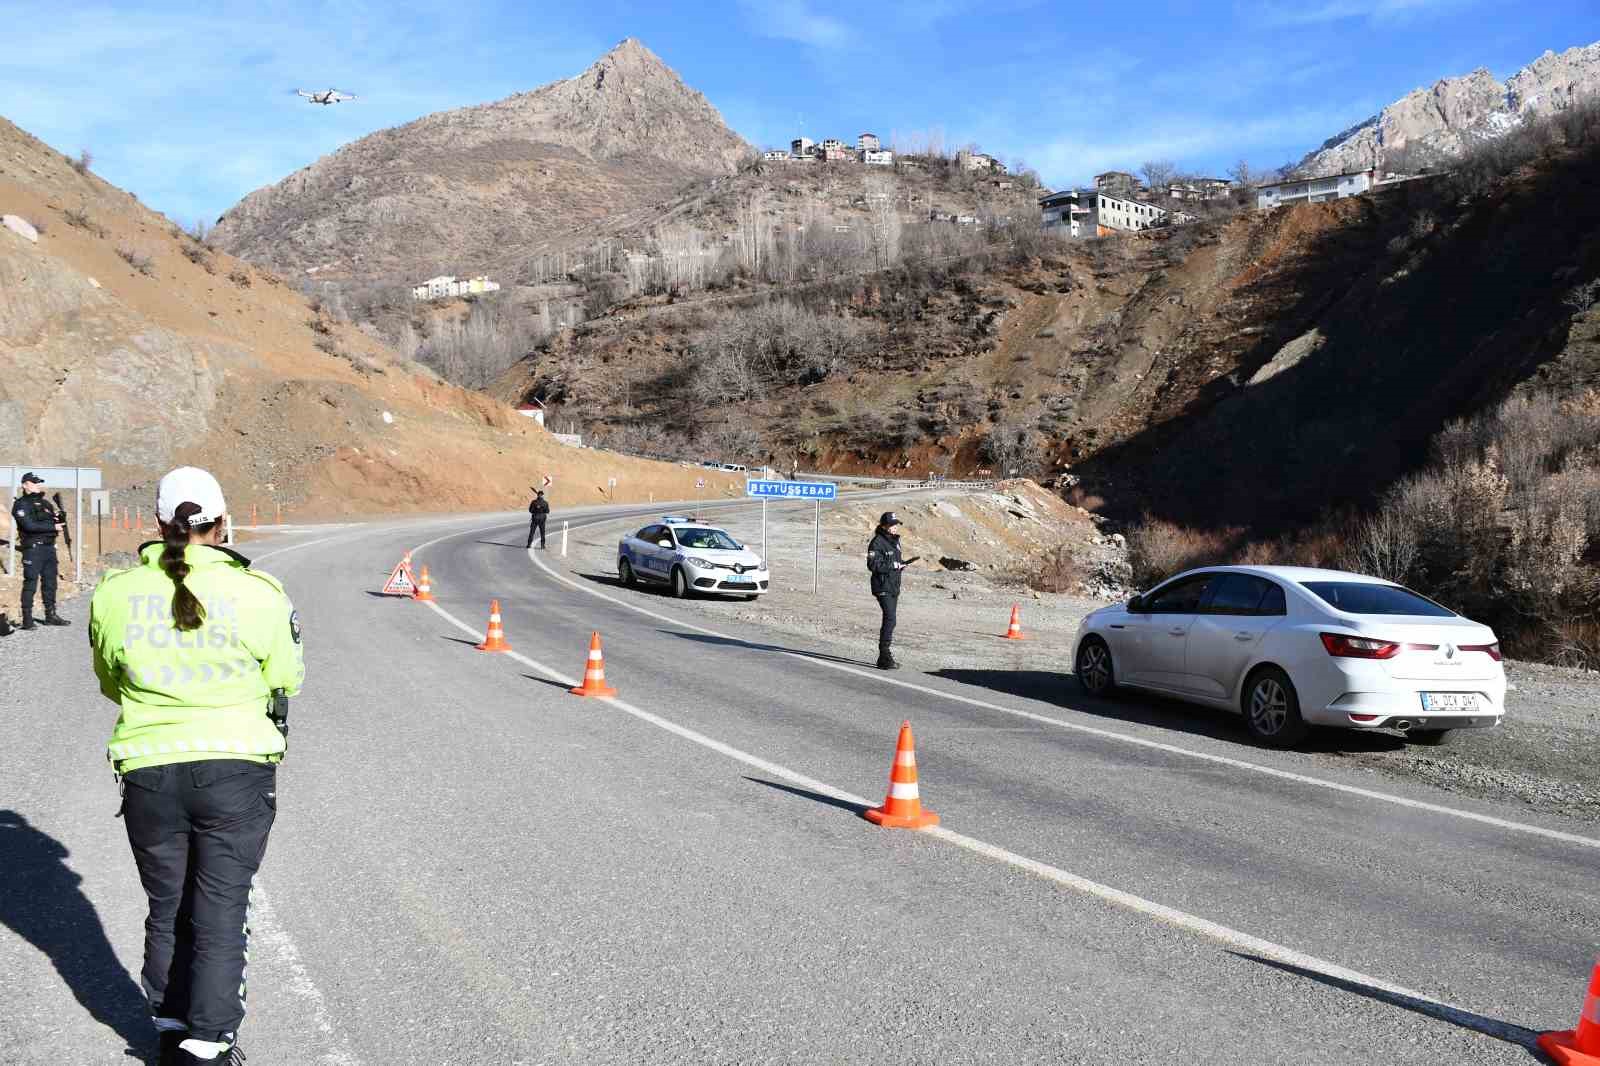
(1449, 701)
(740, 581)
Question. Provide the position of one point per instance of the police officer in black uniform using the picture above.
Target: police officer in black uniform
(885, 563)
(37, 525)
(538, 513)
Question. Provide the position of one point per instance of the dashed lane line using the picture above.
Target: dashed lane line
(1107, 734)
(1235, 940)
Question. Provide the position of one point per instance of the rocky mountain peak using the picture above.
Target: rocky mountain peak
(478, 188)
(1454, 113)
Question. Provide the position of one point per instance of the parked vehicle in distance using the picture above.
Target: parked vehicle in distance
(736, 467)
(690, 556)
(1291, 647)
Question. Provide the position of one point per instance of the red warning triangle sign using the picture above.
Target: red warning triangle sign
(401, 581)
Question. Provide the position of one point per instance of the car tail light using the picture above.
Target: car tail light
(1491, 650)
(1344, 647)
(1363, 718)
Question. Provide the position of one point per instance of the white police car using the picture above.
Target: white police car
(691, 557)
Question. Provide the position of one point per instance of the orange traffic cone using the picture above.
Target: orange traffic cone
(902, 808)
(496, 638)
(1580, 1046)
(594, 673)
(1014, 630)
(424, 593)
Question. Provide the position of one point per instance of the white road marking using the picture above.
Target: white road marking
(1228, 937)
(266, 931)
(1107, 734)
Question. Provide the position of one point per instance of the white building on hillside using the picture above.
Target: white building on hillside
(775, 155)
(1315, 190)
(801, 146)
(1123, 213)
(877, 157)
(446, 286)
(868, 142)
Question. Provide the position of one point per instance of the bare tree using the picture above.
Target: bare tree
(1245, 175)
(1158, 173)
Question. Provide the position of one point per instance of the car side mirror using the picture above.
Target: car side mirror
(1136, 605)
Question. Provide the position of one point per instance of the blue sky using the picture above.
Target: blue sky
(189, 105)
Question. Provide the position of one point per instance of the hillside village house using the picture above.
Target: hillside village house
(1117, 183)
(775, 155)
(877, 157)
(445, 286)
(868, 142)
(801, 147)
(1315, 190)
(1201, 189)
(979, 161)
(831, 151)
(1090, 213)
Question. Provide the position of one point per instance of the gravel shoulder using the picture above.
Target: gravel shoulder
(1541, 757)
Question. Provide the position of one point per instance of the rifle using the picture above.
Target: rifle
(61, 516)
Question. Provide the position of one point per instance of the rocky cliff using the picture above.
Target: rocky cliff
(477, 189)
(1445, 120)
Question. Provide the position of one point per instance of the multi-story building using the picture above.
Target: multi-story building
(877, 157)
(1315, 190)
(1067, 213)
(1117, 183)
(446, 285)
(801, 146)
(868, 142)
(1113, 213)
(1201, 189)
(835, 152)
(775, 155)
(831, 142)
(979, 161)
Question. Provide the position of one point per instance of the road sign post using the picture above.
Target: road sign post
(816, 492)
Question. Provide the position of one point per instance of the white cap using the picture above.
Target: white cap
(190, 484)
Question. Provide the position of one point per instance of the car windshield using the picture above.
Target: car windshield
(706, 539)
(1360, 597)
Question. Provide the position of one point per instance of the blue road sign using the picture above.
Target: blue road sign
(792, 490)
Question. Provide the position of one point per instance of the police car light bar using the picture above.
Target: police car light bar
(676, 519)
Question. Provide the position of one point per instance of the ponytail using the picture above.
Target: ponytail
(187, 611)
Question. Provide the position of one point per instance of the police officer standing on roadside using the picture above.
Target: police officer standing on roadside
(538, 513)
(885, 563)
(37, 525)
(200, 653)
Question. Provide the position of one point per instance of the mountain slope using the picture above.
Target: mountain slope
(127, 345)
(1455, 113)
(476, 189)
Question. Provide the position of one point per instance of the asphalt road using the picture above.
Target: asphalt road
(472, 866)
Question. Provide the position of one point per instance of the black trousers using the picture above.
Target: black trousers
(39, 571)
(887, 605)
(199, 830)
(536, 526)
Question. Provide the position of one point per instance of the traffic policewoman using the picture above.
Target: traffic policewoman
(191, 645)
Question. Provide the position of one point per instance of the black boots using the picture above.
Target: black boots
(886, 660)
(27, 619)
(6, 627)
(53, 619)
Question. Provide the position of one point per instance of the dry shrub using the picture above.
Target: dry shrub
(1157, 549)
(240, 278)
(1057, 570)
(137, 259)
(84, 161)
(79, 218)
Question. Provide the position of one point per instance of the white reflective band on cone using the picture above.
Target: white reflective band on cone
(903, 792)
(594, 656)
(905, 758)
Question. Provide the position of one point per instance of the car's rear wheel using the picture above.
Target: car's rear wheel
(680, 583)
(1095, 670)
(1272, 709)
(1429, 737)
(625, 572)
